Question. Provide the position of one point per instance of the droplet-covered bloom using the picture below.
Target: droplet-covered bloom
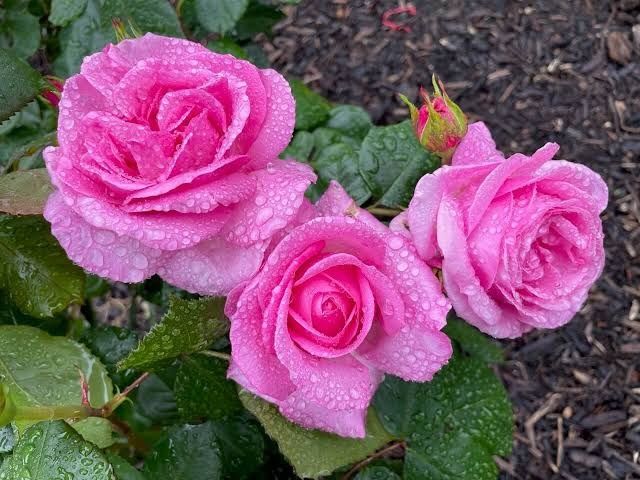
(519, 239)
(168, 164)
(340, 301)
(439, 123)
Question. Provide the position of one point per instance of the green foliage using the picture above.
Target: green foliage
(19, 84)
(377, 472)
(25, 192)
(34, 270)
(185, 453)
(203, 391)
(48, 450)
(92, 30)
(96, 430)
(123, 469)
(311, 109)
(19, 33)
(311, 452)
(472, 341)
(215, 16)
(189, 326)
(350, 120)
(64, 11)
(110, 345)
(258, 18)
(25, 134)
(453, 425)
(226, 45)
(41, 370)
(392, 161)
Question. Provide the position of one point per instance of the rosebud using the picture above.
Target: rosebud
(53, 89)
(439, 123)
(7, 407)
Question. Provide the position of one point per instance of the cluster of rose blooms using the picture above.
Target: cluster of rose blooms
(168, 164)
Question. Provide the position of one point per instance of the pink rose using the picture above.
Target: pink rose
(168, 164)
(340, 301)
(519, 239)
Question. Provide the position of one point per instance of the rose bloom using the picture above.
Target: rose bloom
(168, 164)
(519, 239)
(340, 301)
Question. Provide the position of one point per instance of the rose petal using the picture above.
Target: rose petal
(477, 146)
(212, 267)
(279, 195)
(100, 251)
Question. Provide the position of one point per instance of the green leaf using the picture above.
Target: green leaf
(202, 389)
(241, 443)
(377, 472)
(92, 30)
(11, 315)
(19, 84)
(63, 11)
(215, 16)
(96, 430)
(350, 120)
(19, 31)
(226, 45)
(7, 439)
(43, 370)
(187, 452)
(340, 162)
(156, 401)
(123, 469)
(314, 453)
(110, 345)
(189, 326)
(258, 18)
(25, 134)
(392, 161)
(25, 192)
(311, 109)
(51, 450)
(34, 270)
(472, 341)
(453, 425)
(300, 147)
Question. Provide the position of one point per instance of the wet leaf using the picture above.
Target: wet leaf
(187, 452)
(25, 192)
(350, 120)
(311, 109)
(391, 163)
(19, 31)
(34, 269)
(49, 450)
(123, 469)
(214, 16)
(340, 162)
(92, 30)
(63, 11)
(453, 425)
(189, 326)
(96, 430)
(203, 391)
(472, 341)
(377, 472)
(258, 18)
(241, 443)
(43, 370)
(314, 453)
(110, 345)
(19, 84)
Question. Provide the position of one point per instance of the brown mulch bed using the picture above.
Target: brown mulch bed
(546, 70)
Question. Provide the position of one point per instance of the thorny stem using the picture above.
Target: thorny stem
(358, 466)
(222, 355)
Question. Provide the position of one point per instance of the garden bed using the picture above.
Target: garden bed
(546, 71)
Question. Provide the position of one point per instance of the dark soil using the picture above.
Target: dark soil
(537, 71)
